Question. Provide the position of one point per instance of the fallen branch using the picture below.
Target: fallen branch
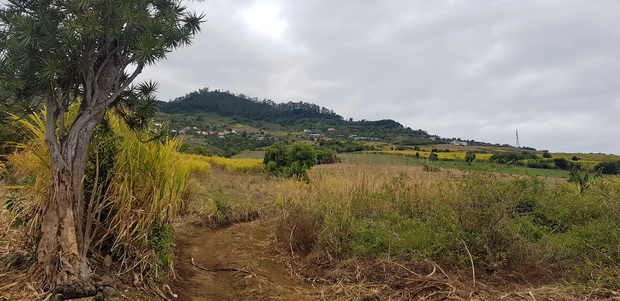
(218, 270)
(471, 260)
(408, 270)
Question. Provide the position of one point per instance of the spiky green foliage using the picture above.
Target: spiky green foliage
(86, 53)
(59, 50)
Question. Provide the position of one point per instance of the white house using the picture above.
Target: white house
(461, 143)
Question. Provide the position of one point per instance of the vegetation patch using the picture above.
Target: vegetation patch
(497, 223)
(292, 160)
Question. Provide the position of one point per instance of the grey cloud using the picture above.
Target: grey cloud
(470, 69)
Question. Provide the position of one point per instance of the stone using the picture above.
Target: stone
(99, 297)
(107, 281)
(109, 291)
(76, 289)
(107, 261)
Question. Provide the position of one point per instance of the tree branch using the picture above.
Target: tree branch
(124, 86)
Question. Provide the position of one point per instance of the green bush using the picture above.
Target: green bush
(325, 156)
(608, 168)
(470, 157)
(561, 163)
(433, 157)
(511, 157)
(290, 160)
(542, 164)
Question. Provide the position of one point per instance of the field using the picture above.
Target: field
(379, 226)
(381, 159)
(424, 153)
(389, 217)
(250, 155)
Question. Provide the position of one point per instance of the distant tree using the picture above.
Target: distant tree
(546, 155)
(326, 156)
(561, 163)
(511, 157)
(290, 161)
(608, 168)
(470, 157)
(87, 53)
(575, 158)
(433, 157)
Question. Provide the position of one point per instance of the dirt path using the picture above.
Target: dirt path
(242, 264)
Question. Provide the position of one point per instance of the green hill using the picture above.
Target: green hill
(217, 111)
(228, 104)
(228, 123)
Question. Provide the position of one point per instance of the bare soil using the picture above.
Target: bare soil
(239, 262)
(243, 262)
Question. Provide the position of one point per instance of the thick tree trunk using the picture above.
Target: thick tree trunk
(59, 250)
(62, 249)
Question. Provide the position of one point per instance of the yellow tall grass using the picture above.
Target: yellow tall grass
(237, 164)
(196, 163)
(146, 188)
(146, 185)
(29, 170)
(453, 156)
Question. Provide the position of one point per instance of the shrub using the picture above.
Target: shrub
(470, 157)
(290, 161)
(433, 157)
(561, 163)
(325, 156)
(483, 212)
(429, 168)
(579, 178)
(543, 164)
(608, 168)
(511, 157)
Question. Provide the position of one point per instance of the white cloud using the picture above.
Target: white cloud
(264, 18)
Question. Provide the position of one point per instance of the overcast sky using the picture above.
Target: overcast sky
(474, 69)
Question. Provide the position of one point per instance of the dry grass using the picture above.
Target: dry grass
(222, 197)
(13, 249)
(521, 231)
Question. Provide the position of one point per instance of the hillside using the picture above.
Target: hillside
(228, 104)
(215, 110)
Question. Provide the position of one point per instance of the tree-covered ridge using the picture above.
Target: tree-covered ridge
(228, 104)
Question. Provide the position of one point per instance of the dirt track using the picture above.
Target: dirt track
(242, 264)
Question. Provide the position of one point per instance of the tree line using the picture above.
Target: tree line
(229, 104)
